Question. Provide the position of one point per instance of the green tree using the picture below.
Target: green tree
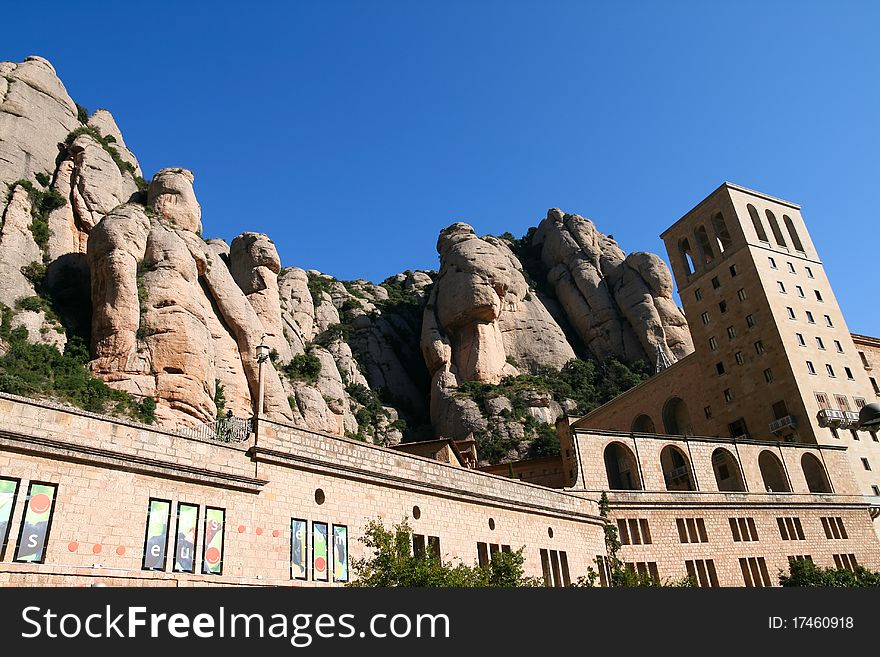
(393, 563)
(803, 572)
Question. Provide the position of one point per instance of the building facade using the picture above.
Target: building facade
(773, 359)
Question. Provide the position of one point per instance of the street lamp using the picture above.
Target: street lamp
(262, 350)
(869, 417)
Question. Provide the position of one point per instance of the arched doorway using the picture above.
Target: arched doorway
(728, 475)
(621, 467)
(644, 424)
(814, 472)
(676, 469)
(676, 419)
(773, 473)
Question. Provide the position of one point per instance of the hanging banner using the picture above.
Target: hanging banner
(340, 553)
(36, 522)
(185, 538)
(156, 536)
(298, 549)
(8, 494)
(319, 552)
(212, 554)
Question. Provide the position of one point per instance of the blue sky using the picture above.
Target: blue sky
(352, 132)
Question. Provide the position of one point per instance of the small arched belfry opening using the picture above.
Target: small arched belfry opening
(644, 424)
(722, 235)
(774, 226)
(621, 467)
(687, 257)
(757, 223)
(676, 418)
(676, 469)
(773, 473)
(728, 475)
(814, 473)
(704, 245)
(792, 233)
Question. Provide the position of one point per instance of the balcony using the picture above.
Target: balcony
(785, 422)
(829, 417)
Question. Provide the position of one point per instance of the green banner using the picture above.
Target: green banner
(8, 493)
(340, 553)
(185, 538)
(298, 549)
(156, 539)
(212, 557)
(36, 523)
(319, 552)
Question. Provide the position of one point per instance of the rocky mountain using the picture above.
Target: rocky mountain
(94, 255)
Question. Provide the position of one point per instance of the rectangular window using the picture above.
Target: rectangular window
(855, 434)
(728, 395)
(719, 367)
(185, 538)
(715, 283)
(772, 263)
(822, 400)
(604, 570)
(733, 271)
(212, 544)
(874, 385)
(830, 370)
(800, 557)
(740, 359)
(810, 368)
(860, 403)
(759, 347)
(643, 568)
(818, 296)
(705, 318)
(545, 567)
(634, 531)
(790, 312)
(482, 554)
(340, 552)
(707, 411)
(790, 268)
(741, 294)
(845, 561)
(809, 272)
(731, 332)
(828, 321)
(810, 319)
(563, 564)
(743, 529)
(156, 536)
(722, 306)
(790, 529)
(800, 291)
(842, 402)
(8, 495)
(754, 571)
(876, 489)
(698, 294)
(838, 346)
(750, 321)
(299, 548)
(418, 545)
(713, 344)
(781, 286)
(691, 530)
(800, 340)
(833, 527)
(819, 343)
(849, 374)
(864, 358)
(865, 463)
(702, 572)
(768, 375)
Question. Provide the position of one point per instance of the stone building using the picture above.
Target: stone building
(773, 359)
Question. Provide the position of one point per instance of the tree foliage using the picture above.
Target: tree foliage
(393, 563)
(803, 572)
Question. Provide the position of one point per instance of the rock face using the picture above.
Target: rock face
(171, 316)
(619, 305)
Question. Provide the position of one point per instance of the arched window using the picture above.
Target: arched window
(676, 469)
(774, 226)
(704, 245)
(621, 467)
(814, 472)
(792, 233)
(722, 235)
(687, 259)
(676, 419)
(773, 473)
(758, 224)
(728, 475)
(644, 424)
